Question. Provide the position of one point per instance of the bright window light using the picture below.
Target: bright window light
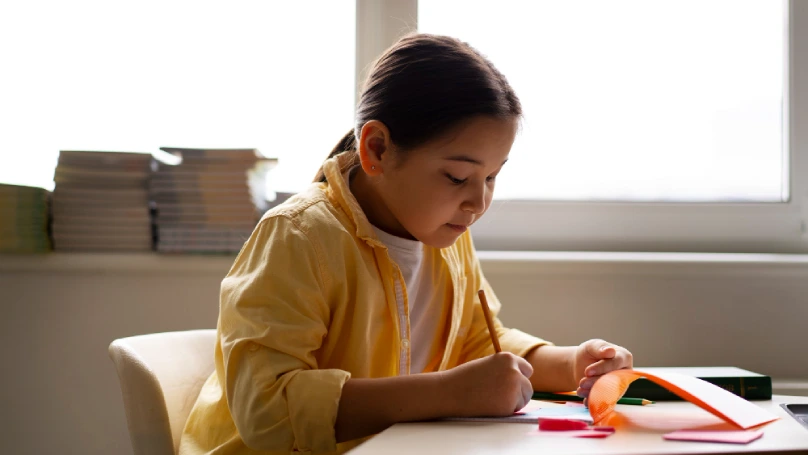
(135, 76)
(636, 100)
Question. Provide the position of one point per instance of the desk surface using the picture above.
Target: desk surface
(640, 432)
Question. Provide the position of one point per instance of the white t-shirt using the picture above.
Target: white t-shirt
(425, 307)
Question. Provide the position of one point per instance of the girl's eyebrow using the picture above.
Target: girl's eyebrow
(467, 159)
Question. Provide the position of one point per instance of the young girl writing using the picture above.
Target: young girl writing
(354, 305)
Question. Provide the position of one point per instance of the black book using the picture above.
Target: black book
(744, 383)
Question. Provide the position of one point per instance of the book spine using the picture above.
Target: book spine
(749, 387)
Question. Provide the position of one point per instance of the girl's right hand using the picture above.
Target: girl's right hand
(496, 385)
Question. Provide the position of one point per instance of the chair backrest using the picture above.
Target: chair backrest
(161, 375)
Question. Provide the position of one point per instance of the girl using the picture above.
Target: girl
(354, 305)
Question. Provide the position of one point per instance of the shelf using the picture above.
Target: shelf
(105, 263)
(506, 262)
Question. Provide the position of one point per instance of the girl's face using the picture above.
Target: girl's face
(435, 192)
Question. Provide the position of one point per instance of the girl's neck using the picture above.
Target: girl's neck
(372, 203)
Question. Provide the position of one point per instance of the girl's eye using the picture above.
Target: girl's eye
(455, 181)
(490, 178)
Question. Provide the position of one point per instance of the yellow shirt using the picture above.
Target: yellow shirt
(309, 303)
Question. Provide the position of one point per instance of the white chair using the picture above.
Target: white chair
(161, 375)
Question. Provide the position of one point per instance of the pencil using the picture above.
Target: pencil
(634, 401)
(565, 397)
(489, 320)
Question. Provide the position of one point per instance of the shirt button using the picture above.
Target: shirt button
(405, 343)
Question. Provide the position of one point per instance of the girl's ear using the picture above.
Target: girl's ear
(374, 140)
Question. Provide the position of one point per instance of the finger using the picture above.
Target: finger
(588, 382)
(628, 358)
(527, 392)
(583, 392)
(600, 349)
(604, 366)
(594, 369)
(524, 367)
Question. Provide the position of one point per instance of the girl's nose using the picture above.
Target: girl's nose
(476, 200)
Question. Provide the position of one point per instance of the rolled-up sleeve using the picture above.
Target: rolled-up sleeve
(478, 342)
(273, 318)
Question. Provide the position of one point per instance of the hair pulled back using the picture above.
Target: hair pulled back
(425, 85)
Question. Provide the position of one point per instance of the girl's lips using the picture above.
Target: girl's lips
(457, 227)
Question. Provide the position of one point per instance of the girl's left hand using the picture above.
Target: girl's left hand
(594, 358)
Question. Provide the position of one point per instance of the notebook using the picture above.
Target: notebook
(744, 383)
(532, 412)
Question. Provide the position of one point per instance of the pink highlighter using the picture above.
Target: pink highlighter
(556, 424)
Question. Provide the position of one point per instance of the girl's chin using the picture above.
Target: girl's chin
(443, 239)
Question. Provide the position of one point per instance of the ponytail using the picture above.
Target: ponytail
(346, 144)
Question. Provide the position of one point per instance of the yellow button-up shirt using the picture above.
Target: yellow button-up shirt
(309, 303)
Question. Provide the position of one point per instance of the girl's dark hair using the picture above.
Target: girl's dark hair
(423, 86)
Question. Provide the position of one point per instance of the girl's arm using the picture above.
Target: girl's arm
(496, 385)
(368, 406)
(575, 368)
(553, 367)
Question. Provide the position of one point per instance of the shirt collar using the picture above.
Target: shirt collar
(400, 244)
(337, 172)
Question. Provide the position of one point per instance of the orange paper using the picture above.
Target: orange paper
(726, 405)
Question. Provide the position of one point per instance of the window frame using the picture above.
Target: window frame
(641, 226)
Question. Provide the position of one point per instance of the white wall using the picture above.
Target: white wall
(749, 311)
(60, 392)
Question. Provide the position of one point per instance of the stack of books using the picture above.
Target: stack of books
(210, 201)
(23, 219)
(100, 202)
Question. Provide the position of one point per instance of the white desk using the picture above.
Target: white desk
(640, 433)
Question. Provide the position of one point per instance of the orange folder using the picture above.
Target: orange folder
(726, 405)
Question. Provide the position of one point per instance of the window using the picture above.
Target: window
(96, 75)
(636, 100)
(649, 126)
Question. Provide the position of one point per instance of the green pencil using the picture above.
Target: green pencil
(634, 401)
(564, 397)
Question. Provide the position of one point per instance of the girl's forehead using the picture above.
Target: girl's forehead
(473, 128)
(483, 141)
